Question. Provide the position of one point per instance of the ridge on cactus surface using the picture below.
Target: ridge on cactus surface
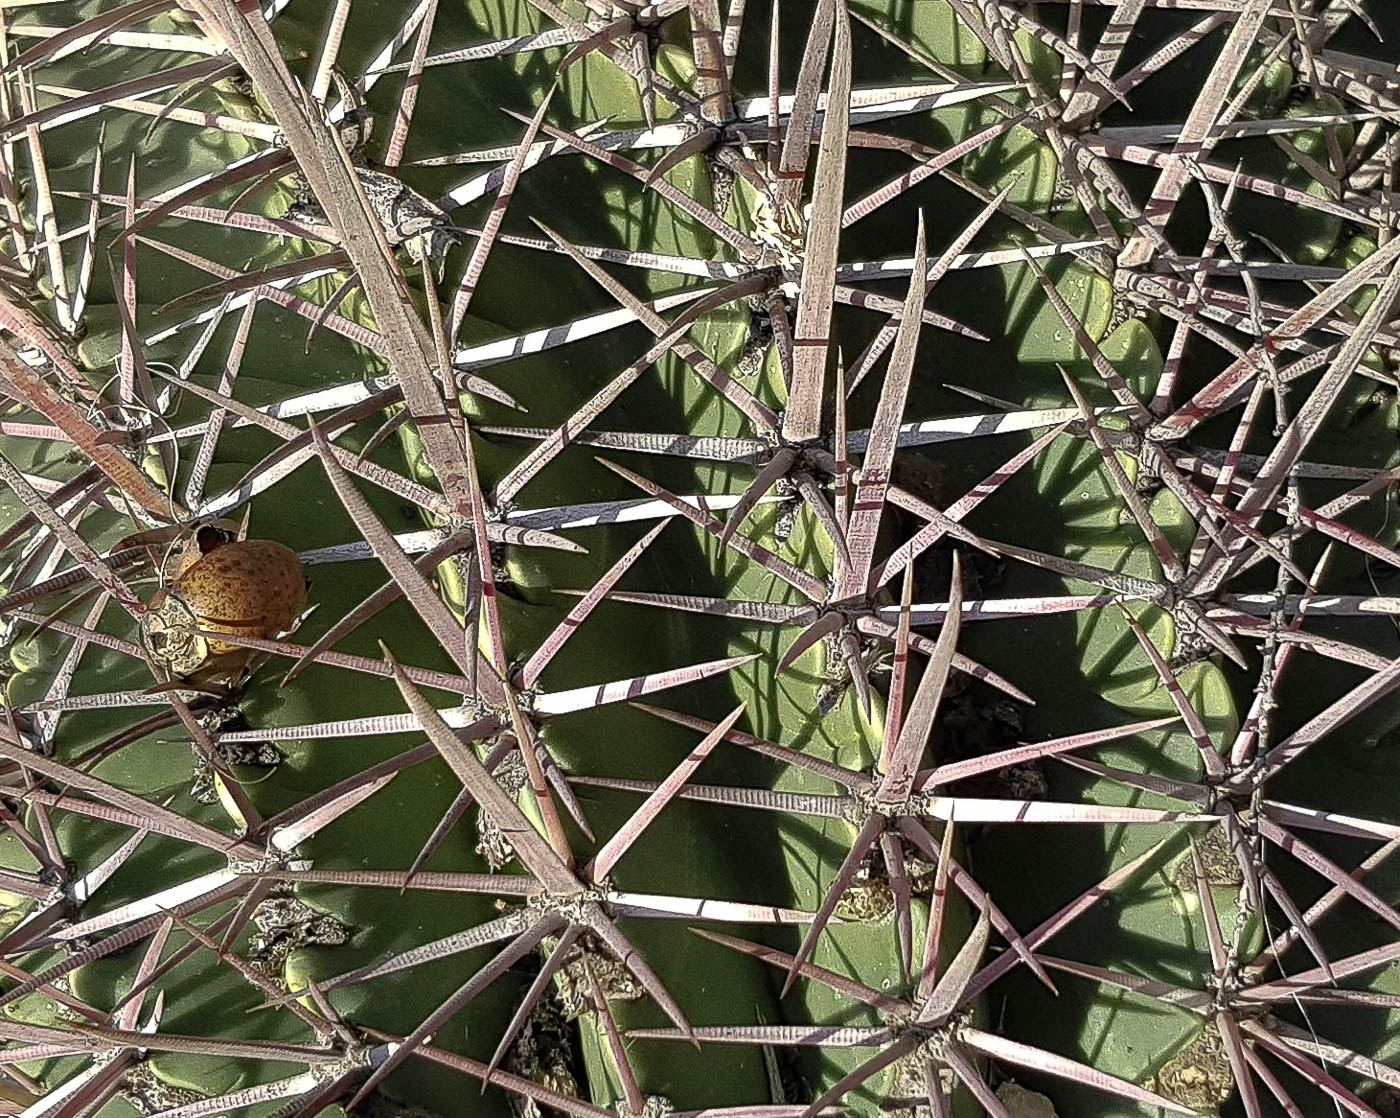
(712, 557)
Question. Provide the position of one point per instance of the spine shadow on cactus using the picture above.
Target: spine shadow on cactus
(1163, 784)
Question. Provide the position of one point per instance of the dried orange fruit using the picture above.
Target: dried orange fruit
(252, 588)
(198, 544)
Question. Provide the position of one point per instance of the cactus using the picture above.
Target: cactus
(741, 558)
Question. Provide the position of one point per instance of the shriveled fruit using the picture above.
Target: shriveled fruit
(252, 588)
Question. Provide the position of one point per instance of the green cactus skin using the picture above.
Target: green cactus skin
(1065, 504)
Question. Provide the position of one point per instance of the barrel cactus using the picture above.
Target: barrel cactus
(735, 558)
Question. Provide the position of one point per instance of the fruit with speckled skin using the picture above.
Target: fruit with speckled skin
(198, 544)
(252, 588)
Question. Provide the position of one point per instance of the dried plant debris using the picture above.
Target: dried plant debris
(584, 969)
(857, 566)
(545, 1053)
(492, 843)
(867, 898)
(1199, 1075)
(229, 755)
(144, 1089)
(409, 219)
(285, 923)
(1221, 864)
